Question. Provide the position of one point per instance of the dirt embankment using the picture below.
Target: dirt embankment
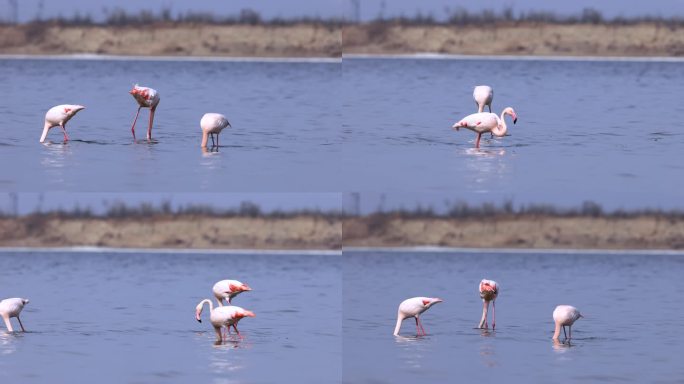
(298, 40)
(301, 232)
(644, 39)
(642, 232)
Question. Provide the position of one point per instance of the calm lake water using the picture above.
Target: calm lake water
(631, 332)
(606, 131)
(285, 118)
(129, 318)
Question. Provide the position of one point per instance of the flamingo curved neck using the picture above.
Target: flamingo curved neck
(207, 301)
(205, 136)
(46, 128)
(501, 129)
(485, 309)
(556, 332)
(400, 318)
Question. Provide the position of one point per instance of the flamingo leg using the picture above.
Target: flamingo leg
(421, 327)
(219, 336)
(493, 314)
(238, 332)
(477, 142)
(217, 141)
(134, 120)
(20, 324)
(417, 327)
(66, 137)
(212, 140)
(490, 108)
(570, 332)
(565, 334)
(149, 129)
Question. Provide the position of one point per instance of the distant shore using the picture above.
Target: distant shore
(523, 38)
(169, 231)
(168, 39)
(519, 231)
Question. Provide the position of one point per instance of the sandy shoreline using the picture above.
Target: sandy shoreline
(173, 232)
(531, 39)
(297, 40)
(533, 231)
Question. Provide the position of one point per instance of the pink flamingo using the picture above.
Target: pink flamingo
(489, 290)
(212, 123)
(565, 315)
(227, 289)
(146, 98)
(483, 95)
(483, 122)
(222, 317)
(58, 116)
(414, 307)
(12, 308)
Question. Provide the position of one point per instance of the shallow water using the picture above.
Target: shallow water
(606, 131)
(129, 318)
(630, 332)
(285, 119)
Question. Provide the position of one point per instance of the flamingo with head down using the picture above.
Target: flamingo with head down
(414, 307)
(58, 116)
(146, 98)
(565, 315)
(489, 290)
(12, 308)
(486, 122)
(220, 317)
(228, 289)
(483, 95)
(212, 124)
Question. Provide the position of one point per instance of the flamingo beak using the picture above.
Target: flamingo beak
(197, 316)
(515, 118)
(249, 314)
(456, 126)
(245, 287)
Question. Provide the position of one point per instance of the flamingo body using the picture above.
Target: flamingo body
(12, 308)
(414, 307)
(146, 97)
(58, 116)
(228, 289)
(219, 317)
(483, 95)
(212, 123)
(489, 291)
(565, 315)
(483, 122)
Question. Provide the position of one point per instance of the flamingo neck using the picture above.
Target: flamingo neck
(556, 332)
(205, 136)
(400, 318)
(211, 305)
(501, 129)
(485, 309)
(46, 128)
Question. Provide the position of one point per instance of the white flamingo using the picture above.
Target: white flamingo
(146, 98)
(483, 95)
(489, 290)
(486, 122)
(212, 123)
(565, 315)
(228, 289)
(58, 116)
(414, 307)
(222, 317)
(12, 308)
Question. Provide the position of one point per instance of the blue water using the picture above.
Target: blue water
(608, 131)
(285, 119)
(629, 333)
(130, 318)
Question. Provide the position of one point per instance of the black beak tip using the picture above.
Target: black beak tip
(515, 120)
(199, 320)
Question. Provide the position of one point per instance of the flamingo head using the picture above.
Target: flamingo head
(458, 125)
(511, 111)
(237, 288)
(74, 109)
(198, 313)
(25, 301)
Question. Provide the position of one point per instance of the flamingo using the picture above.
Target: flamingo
(414, 307)
(489, 290)
(212, 123)
(222, 316)
(483, 95)
(146, 98)
(486, 122)
(12, 308)
(565, 315)
(58, 116)
(227, 289)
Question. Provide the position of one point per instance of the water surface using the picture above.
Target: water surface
(630, 333)
(284, 117)
(129, 318)
(607, 131)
